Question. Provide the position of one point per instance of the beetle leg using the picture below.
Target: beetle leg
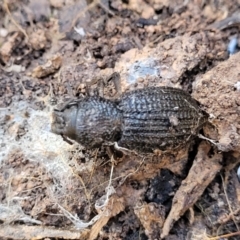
(67, 140)
(102, 82)
(68, 104)
(112, 152)
(123, 150)
(115, 77)
(100, 86)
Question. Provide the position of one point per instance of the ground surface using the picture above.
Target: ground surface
(51, 51)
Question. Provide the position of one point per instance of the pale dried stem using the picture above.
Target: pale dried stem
(5, 5)
(229, 204)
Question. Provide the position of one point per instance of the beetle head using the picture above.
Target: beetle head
(63, 122)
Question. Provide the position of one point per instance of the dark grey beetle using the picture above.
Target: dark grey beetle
(142, 120)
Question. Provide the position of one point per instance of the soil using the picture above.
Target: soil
(55, 50)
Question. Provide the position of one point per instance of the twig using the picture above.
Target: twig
(93, 169)
(228, 202)
(110, 181)
(121, 177)
(228, 217)
(224, 236)
(5, 5)
(37, 232)
(84, 186)
(128, 175)
(109, 191)
(78, 223)
(105, 8)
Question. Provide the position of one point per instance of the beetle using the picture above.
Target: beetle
(142, 120)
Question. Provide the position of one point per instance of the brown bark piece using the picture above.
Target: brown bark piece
(50, 67)
(151, 216)
(201, 174)
(115, 206)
